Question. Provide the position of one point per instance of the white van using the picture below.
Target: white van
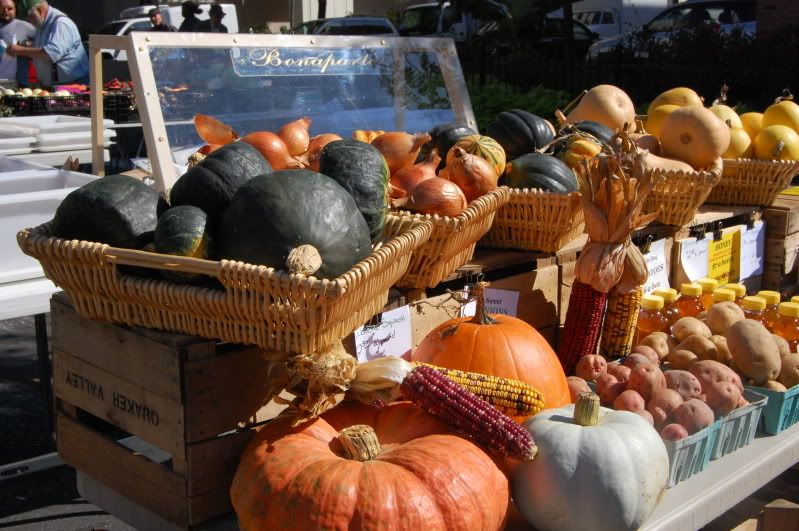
(609, 18)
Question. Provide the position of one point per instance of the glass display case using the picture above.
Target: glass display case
(260, 82)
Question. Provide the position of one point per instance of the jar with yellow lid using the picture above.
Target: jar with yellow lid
(723, 295)
(709, 285)
(754, 307)
(690, 301)
(670, 310)
(787, 325)
(650, 317)
(739, 290)
(772, 313)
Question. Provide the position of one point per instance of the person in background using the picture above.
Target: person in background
(214, 22)
(189, 10)
(57, 50)
(158, 22)
(14, 30)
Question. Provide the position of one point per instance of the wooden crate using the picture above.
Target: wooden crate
(194, 402)
(782, 217)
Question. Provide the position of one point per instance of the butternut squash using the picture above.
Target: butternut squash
(695, 135)
(679, 96)
(606, 104)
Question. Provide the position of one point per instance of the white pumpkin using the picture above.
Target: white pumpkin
(605, 476)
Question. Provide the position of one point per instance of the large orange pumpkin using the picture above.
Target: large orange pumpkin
(415, 475)
(497, 345)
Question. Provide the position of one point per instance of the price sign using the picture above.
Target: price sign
(724, 257)
(391, 337)
(753, 242)
(497, 301)
(694, 257)
(656, 265)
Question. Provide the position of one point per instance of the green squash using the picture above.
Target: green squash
(536, 170)
(117, 209)
(520, 132)
(442, 138)
(601, 132)
(211, 184)
(183, 231)
(361, 169)
(272, 214)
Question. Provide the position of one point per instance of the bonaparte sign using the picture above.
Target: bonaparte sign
(311, 61)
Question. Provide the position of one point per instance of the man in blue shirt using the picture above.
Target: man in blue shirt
(57, 50)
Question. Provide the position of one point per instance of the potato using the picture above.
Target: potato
(689, 326)
(650, 353)
(609, 394)
(703, 347)
(634, 359)
(710, 371)
(646, 379)
(754, 351)
(605, 380)
(672, 342)
(629, 401)
(789, 371)
(782, 345)
(659, 341)
(775, 386)
(590, 367)
(576, 386)
(694, 415)
(662, 406)
(722, 349)
(673, 432)
(722, 397)
(647, 416)
(684, 383)
(722, 315)
(681, 359)
(618, 370)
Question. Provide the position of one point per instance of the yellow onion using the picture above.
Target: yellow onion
(312, 157)
(400, 149)
(436, 196)
(405, 180)
(474, 175)
(212, 131)
(295, 135)
(273, 149)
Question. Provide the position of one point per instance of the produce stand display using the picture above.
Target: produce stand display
(181, 377)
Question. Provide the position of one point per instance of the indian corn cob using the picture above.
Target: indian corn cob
(466, 413)
(618, 332)
(583, 324)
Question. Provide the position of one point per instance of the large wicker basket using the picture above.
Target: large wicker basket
(536, 220)
(753, 182)
(254, 305)
(452, 241)
(679, 194)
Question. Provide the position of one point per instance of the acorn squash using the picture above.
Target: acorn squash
(520, 132)
(211, 184)
(272, 214)
(536, 170)
(183, 231)
(596, 129)
(443, 137)
(363, 172)
(117, 209)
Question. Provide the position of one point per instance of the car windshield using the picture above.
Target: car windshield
(357, 27)
(306, 28)
(111, 29)
(690, 16)
(420, 21)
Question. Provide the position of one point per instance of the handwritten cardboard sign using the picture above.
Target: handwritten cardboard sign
(391, 337)
(724, 257)
(656, 265)
(753, 243)
(497, 301)
(694, 257)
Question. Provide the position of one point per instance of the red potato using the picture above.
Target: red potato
(694, 415)
(722, 397)
(662, 406)
(590, 367)
(646, 379)
(618, 370)
(629, 401)
(609, 394)
(576, 386)
(684, 383)
(673, 432)
(605, 380)
(646, 416)
(708, 371)
(647, 351)
(634, 359)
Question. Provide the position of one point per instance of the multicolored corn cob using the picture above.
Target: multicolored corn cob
(466, 413)
(618, 332)
(583, 325)
(511, 397)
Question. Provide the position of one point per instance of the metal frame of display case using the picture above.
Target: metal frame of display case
(139, 44)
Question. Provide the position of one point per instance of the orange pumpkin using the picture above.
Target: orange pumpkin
(497, 345)
(361, 467)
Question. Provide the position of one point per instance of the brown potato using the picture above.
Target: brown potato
(672, 342)
(681, 359)
(689, 326)
(754, 351)
(703, 347)
(782, 345)
(658, 341)
(722, 349)
(684, 383)
(647, 351)
(775, 386)
(789, 371)
(646, 379)
(722, 315)
(722, 397)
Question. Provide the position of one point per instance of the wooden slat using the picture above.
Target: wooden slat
(209, 505)
(128, 406)
(783, 252)
(144, 482)
(213, 462)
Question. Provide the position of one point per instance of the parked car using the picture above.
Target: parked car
(550, 37)
(441, 19)
(725, 15)
(346, 26)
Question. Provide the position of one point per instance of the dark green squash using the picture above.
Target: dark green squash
(210, 185)
(520, 132)
(361, 169)
(272, 214)
(183, 231)
(599, 131)
(536, 170)
(442, 138)
(117, 209)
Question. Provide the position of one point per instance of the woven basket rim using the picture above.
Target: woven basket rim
(542, 192)
(477, 209)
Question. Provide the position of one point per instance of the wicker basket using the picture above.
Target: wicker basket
(536, 220)
(753, 182)
(452, 242)
(680, 194)
(255, 305)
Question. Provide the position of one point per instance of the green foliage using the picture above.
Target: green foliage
(493, 98)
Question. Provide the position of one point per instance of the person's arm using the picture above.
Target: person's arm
(36, 53)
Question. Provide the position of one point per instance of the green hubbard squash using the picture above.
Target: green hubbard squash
(520, 132)
(536, 170)
(211, 184)
(363, 172)
(183, 231)
(272, 215)
(118, 210)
